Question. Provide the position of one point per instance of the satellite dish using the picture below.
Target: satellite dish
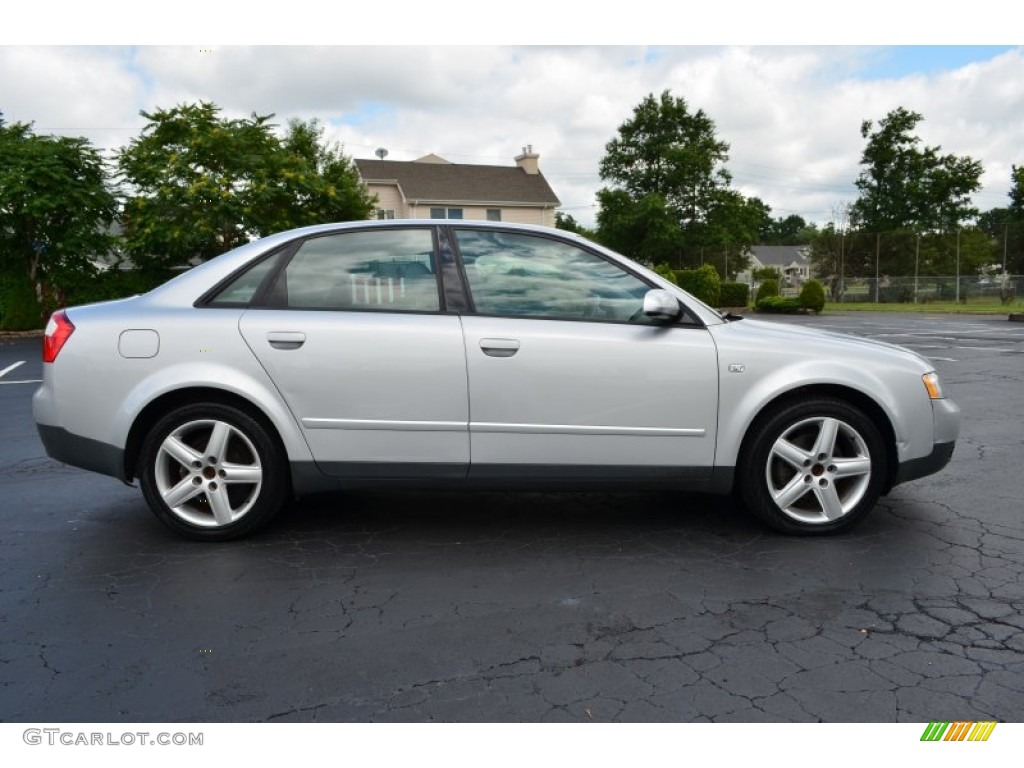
(381, 153)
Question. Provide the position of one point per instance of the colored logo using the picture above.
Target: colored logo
(958, 731)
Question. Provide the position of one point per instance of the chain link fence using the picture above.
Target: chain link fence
(998, 290)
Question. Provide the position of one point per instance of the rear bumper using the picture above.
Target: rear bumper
(81, 451)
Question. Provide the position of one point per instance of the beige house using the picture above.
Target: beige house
(433, 188)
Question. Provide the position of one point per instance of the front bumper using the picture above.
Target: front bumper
(926, 465)
(945, 430)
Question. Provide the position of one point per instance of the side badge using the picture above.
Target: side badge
(736, 368)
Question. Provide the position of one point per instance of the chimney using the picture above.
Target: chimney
(528, 160)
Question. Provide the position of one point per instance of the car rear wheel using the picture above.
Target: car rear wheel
(212, 472)
(813, 467)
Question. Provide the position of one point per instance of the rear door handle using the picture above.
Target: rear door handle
(286, 339)
(499, 347)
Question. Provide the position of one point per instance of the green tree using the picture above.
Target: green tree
(1017, 191)
(788, 230)
(645, 229)
(55, 208)
(906, 186)
(667, 150)
(200, 184)
(327, 187)
(733, 222)
(568, 222)
(666, 167)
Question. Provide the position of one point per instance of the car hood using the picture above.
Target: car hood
(803, 341)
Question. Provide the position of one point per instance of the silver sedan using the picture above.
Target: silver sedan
(472, 354)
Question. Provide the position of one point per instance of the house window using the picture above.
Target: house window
(385, 213)
(446, 213)
(494, 214)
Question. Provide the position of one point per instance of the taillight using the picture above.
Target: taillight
(58, 331)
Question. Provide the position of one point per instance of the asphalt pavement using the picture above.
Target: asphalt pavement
(489, 607)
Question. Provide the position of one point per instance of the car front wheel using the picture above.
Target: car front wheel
(212, 472)
(814, 467)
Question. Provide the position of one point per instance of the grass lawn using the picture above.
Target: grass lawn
(949, 307)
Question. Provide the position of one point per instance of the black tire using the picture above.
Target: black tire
(208, 497)
(799, 480)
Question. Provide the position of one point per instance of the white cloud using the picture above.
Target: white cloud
(791, 115)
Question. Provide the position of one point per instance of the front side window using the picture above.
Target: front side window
(389, 269)
(517, 275)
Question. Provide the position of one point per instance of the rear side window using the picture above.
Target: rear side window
(391, 269)
(243, 287)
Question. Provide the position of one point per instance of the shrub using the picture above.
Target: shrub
(703, 283)
(767, 273)
(778, 304)
(735, 295)
(19, 309)
(768, 288)
(812, 296)
(664, 270)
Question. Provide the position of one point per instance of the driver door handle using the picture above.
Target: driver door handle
(499, 347)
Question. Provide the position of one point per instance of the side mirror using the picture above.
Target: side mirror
(661, 305)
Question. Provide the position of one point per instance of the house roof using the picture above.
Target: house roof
(456, 182)
(780, 255)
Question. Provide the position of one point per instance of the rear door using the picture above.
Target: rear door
(355, 336)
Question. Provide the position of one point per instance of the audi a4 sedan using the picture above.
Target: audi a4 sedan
(472, 355)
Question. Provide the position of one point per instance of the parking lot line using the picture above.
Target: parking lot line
(10, 368)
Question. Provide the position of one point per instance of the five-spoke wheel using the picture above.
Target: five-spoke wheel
(212, 472)
(813, 467)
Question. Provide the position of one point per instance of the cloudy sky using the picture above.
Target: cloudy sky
(790, 113)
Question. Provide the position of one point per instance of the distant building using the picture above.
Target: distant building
(792, 261)
(433, 188)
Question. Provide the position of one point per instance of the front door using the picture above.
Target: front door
(568, 377)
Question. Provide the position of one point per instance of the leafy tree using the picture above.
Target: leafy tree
(1017, 190)
(788, 230)
(328, 187)
(201, 184)
(667, 150)
(568, 222)
(666, 169)
(906, 186)
(55, 208)
(767, 273)
(733, 221)
(645, 230)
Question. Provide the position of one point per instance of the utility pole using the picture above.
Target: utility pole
(878, 251)
(1006, 239)
(958, 265)
(842, 259)
(917, 261)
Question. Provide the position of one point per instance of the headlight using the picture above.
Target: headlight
(932, 384)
